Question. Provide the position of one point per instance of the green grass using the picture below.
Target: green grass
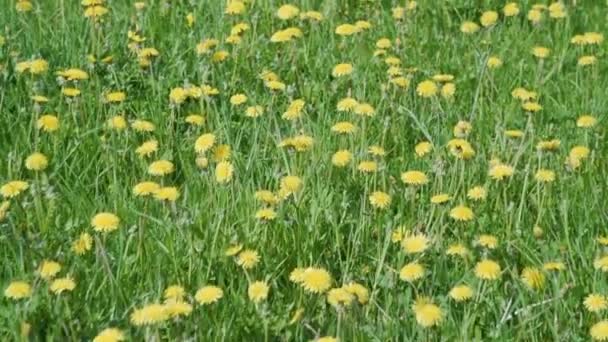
(330, 222)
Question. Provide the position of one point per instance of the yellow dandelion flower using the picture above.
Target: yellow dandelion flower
(342, 158)
(462, 213)
(427, 89)
(360, 291)
(344, 127)
(469, 27)
(143, 126)
(145, 188)
(477, 193)
(48, 269)
(149, 315)
(109, 335)
(544, 176)
(533, 278)
(414, 178)
(208, 295)
(599, 331)
(501, 171)
(48, 123)
(427, 314)
(457, 249)
(248, 259)
(411, 272)
(339, 297)
(168, 193)
(488, 18)
(487, 270)
(596, 302)
(347, 104)
(487, 241)
(440, 198)
(316, 280)
(258, 291)
(82, 244)
(342, 69)
(36, 162)
(461, 293)
(18, 290)
(147, 148)
(61, 285)
(380, 200)
(117, 122)
(415, 243)
(161, 168)
(368, 166)
(105, 222)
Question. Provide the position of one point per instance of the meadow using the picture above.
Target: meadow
(261, 170)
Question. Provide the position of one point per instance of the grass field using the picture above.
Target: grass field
(315, 171)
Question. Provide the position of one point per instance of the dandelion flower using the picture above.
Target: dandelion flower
(204, 142)
(368, 166)
(347, 30)
(487, 241)
(343, 127)
(427, 314)
(208, 295)
(457, 249)
(414, 178)
(427, 89)
(440, 198)
(48, 123)
(533, 278)
(161, 168)
(601, 264)
(60, 285)
(18, 290)
(149, 315)
(462, 213)
(109, 335)
(544, 176)
(586, 121)
(347, 104)
(487, 270)
(461, 293)
(145, 188)
(342, 69)
(599, 331)
(411, 272)
(48, 269)
(248, 259)
(342, 158)
(176, 308)
(415, 243)
(423, 148)
(595, 302)
(297, 275)
(82, 244)
(316, 280)
(339, 297)
(258, 291)
(358, 290)
(477, 193)
(488, 18)
(511, 9)
(13, 188)
(380, 200)
(501, 171)
(36, 162)
(105, 222)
